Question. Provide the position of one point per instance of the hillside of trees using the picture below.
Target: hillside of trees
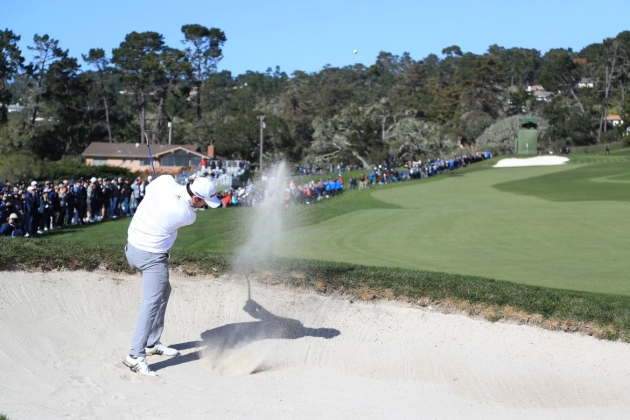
(397, 108)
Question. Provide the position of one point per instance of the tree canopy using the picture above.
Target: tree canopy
(396, 108)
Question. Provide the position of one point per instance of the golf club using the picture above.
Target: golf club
(150, 155)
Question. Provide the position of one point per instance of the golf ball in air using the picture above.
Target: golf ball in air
(354, 51)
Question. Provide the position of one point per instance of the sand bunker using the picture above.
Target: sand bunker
(286, 354)
(532, 161)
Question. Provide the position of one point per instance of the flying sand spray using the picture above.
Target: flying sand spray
(264, 222)
(245, 352)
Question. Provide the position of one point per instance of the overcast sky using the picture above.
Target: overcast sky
(307, 35)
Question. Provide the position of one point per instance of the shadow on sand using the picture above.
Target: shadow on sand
(232, 336)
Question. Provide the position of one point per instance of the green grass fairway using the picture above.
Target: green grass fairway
(215, 231)
(563, 226)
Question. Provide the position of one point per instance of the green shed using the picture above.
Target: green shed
(527, 141)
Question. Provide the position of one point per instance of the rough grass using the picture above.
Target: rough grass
(601, 315)
(46, 255)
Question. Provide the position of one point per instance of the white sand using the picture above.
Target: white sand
(548, 160)
(63, 336)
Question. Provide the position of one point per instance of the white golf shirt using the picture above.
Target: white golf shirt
(165, 208)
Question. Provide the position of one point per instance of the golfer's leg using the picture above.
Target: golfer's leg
(154, 282)
(158, 323)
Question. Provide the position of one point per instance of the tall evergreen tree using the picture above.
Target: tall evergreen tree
(47, 51)
(97, 58)
(11, 61)
(204, 54)
(66, 96)
(137, 61)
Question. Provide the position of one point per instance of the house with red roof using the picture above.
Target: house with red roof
(167, 158)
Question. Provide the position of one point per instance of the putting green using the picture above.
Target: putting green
(519, 231)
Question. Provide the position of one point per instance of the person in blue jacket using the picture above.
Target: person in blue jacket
(12, 227)
(31, 205)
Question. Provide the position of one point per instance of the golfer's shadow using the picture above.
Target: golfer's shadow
(233, 336)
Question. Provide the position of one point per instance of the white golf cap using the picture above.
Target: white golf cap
(13, 216)
(204, 189)
(93, 179)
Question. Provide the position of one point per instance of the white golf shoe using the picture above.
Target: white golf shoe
(161, 350)
(138, 365)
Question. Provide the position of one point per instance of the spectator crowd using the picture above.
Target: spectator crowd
(35, 208)
(29, 210)
(309, 192)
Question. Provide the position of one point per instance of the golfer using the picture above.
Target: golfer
(166, 207)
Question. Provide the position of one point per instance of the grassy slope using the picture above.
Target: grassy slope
(215, 231)
(546, 226)
(521, 224)
(222, 230)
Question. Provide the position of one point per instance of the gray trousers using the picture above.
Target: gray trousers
(156, 290)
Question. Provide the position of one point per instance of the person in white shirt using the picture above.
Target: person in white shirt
(166, 207)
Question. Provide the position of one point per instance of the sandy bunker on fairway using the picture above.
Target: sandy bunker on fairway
(286, 354)
(531, 161)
